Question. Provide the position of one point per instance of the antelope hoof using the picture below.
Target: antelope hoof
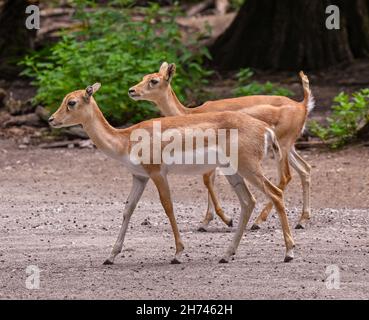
(223, 260)
(289, 256)
(255, 227)
(108, 262)
(202, 229)
(175, 261)
(300, 226)
(230, 223)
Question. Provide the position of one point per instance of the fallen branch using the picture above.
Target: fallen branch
(31, 119)
(311, 144)
(198, 8)
(68, 144)
(52, 12)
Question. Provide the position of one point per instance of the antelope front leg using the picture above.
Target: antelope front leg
(138, 186)
(161, 184)
(213, 204)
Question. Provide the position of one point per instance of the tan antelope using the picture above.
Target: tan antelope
(80, 108)
(286, 116)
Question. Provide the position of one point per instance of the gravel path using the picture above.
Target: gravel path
(60, 210)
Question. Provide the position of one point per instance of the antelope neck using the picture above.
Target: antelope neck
(170, 105)
(103, 135)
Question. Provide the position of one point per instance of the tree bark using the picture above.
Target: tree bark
(15, 38)
(357, 24)
(292, 35)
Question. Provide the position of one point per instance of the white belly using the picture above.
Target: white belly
(174, 168)
(188, 163)
(189, 169)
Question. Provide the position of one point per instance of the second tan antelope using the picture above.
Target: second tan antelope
(286, 116)
(80, 108)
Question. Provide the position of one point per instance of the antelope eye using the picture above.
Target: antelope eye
(154, 81)
(71, 103)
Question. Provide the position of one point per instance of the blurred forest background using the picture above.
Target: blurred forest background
(222, 48)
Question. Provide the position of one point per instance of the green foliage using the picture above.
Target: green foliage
(115, 45)
(236, 4)
(255, 87)
(349, 113)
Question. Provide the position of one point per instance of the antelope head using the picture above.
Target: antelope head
(76, 108)
(154, 86)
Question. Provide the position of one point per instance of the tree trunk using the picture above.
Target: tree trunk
(15, 38)
(292, 35)
(357, 24)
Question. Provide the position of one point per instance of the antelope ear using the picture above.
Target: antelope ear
(163, 68)
(170, 72)
(90, 90)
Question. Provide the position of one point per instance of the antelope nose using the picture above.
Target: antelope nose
(51, 119)
(131, 91)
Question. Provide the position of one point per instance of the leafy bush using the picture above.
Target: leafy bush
(116, 49)
(349, 114)
(255, 87)
(236, 4)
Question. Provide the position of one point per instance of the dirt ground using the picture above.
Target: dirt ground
(60, 210)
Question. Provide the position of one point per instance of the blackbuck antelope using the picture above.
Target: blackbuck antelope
(80, 108)
(286, 116)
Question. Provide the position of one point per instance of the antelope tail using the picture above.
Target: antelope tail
(308, 101)
(271, 140)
